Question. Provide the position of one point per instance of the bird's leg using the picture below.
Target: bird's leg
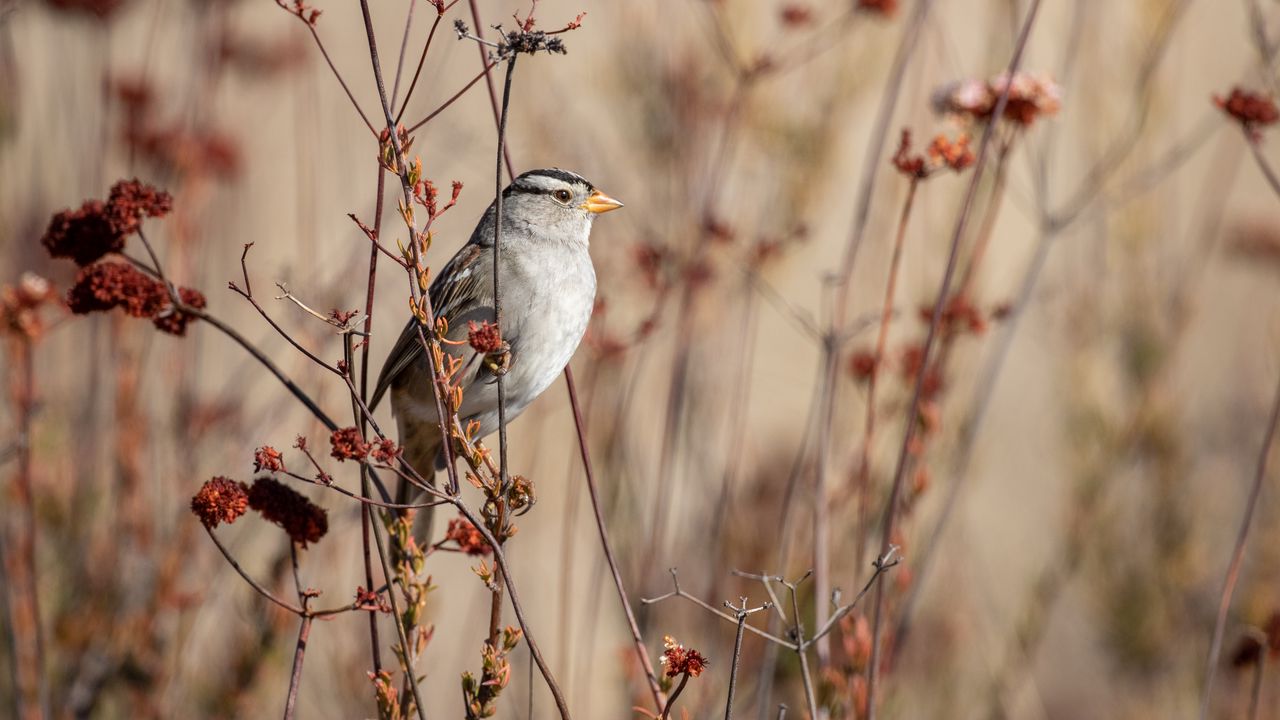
(499, 361)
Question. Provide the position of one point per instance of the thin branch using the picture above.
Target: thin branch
(295, 679)
(891, 509)
(642, 653)
(679, 592)
(742, 613)
(1237, 555)
(249, 579)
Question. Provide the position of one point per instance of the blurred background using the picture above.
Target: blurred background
(1085, 450)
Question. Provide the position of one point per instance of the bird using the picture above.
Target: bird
(548, 293)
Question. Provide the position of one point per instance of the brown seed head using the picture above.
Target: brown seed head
(220, 500)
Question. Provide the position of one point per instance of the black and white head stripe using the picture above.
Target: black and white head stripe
(546, 180)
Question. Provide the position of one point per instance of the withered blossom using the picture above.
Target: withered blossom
(108, 285)
(679, 660)
(484, 337)
(468, 538)
(267, 458)
(302, 520)
(385, 450)
(347, 444)
(20, 305)
(1252, 110)
(220, 500)
(1031, 97)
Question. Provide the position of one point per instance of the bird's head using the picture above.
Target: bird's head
(555, 202)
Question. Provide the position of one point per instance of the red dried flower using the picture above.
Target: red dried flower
(107, 285)
(368, 600)
(887, 8)
(468, 538)
(19, 305)
(348, 445)
(954, 154)
(863, 365)
(1253, 111)
(267, 458)
(172, 320)
(913, 166)
(651, 259)
(484, 338)
(796, 15)
(1030, 97)
(679, 660)
(303, 520)
(132, 200)
(385, 451)
(83, 235)
(220, 500)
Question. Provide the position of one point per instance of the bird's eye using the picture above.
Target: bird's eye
(563, 196)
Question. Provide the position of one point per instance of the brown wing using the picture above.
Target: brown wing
(463, 291)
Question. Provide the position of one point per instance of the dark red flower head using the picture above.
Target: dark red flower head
(679, 660)
(83, 235)
(220, 500)
(303, 520)
(1253, 111)
(267, 458)
(468, 538)
(879, 7)
(484, 338)
(347, 444)
(107, 285)
(172, 320)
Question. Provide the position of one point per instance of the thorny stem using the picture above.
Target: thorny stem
(1237, 555)
(890, 514)
(642, 653)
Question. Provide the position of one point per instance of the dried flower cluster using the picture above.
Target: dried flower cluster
(220, 500)
(98, 228)
(796, 15)
(20, 306)
(467, 537)
(348, 445)
(484, 338)
(303, 520)
(107, 285)
(385, 451)
(941, 153)
(679, 660)
(959, 315)
(886, 8)
(1253, 111)
(1030, 97)
(267, 458)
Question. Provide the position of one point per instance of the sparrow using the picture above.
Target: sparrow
(548, 293)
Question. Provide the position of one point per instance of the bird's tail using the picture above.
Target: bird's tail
(422, 453)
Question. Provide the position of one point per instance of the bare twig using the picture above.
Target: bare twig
(891, 509)
(1237, 555)
(742, 613)
(295, 679)
(642, 653)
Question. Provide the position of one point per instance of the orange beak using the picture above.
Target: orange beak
(598, 203)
